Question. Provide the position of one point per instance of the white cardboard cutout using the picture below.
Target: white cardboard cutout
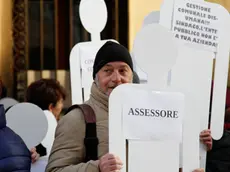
(8, 102)
(188, 81)
(47, 142)
(93, 15)
(81, 69)
(144, 56)
(214, 22)
(119, 124)
(218, 18)
(29, 122)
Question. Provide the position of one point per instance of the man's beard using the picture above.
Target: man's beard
(112, 86)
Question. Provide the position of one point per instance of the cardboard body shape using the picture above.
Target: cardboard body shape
(29, 122)
(204, 25)
(93, 15)
(141, 117)
(208, 30)
(187, 80)
(140, 128)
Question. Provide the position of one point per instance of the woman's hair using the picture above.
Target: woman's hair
(45, 92)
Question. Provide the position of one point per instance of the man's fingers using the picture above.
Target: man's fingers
(115, 167)
(33, 156)
(110, 156)
(206, 139)
(205, 134)
(206, 131)
(33, 150)
(114, 162)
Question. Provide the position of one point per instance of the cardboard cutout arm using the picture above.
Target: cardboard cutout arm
(221, 76)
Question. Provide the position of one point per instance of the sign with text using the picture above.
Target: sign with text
(153, 115)
(197, 23)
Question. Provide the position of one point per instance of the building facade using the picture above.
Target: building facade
(36, 36)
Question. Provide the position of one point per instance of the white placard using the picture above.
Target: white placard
(29, 122)
(154, 115)
(197, 23)
(120, 128)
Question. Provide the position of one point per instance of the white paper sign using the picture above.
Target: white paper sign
(197, 23)
(153, 115)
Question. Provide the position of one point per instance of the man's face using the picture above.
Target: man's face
(112, 75)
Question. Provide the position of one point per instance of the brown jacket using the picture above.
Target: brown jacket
(68, 150)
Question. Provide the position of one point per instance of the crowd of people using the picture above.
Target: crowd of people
(71, 152)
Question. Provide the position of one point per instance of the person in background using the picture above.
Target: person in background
(47, 94)
(218, 159)
(14, 154)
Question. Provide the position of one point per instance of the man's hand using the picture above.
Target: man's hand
(199, 170)
(34, 155)
(206, 138)
(110, 163)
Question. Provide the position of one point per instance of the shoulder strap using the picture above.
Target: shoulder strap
(91, 140)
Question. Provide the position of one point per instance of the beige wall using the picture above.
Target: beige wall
(6, 59)
(224, 3)
(138, 9)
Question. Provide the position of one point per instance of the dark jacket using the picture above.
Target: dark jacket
(14, 155)
(218, 159)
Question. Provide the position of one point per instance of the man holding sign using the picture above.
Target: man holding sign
(113, 66)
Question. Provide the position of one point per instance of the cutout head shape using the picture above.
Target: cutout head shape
(155, 51)
(93, 15)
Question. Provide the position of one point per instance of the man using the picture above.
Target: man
(113, 66)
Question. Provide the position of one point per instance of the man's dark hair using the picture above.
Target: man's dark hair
(45, 92)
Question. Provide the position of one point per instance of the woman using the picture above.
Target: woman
(47, 94)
